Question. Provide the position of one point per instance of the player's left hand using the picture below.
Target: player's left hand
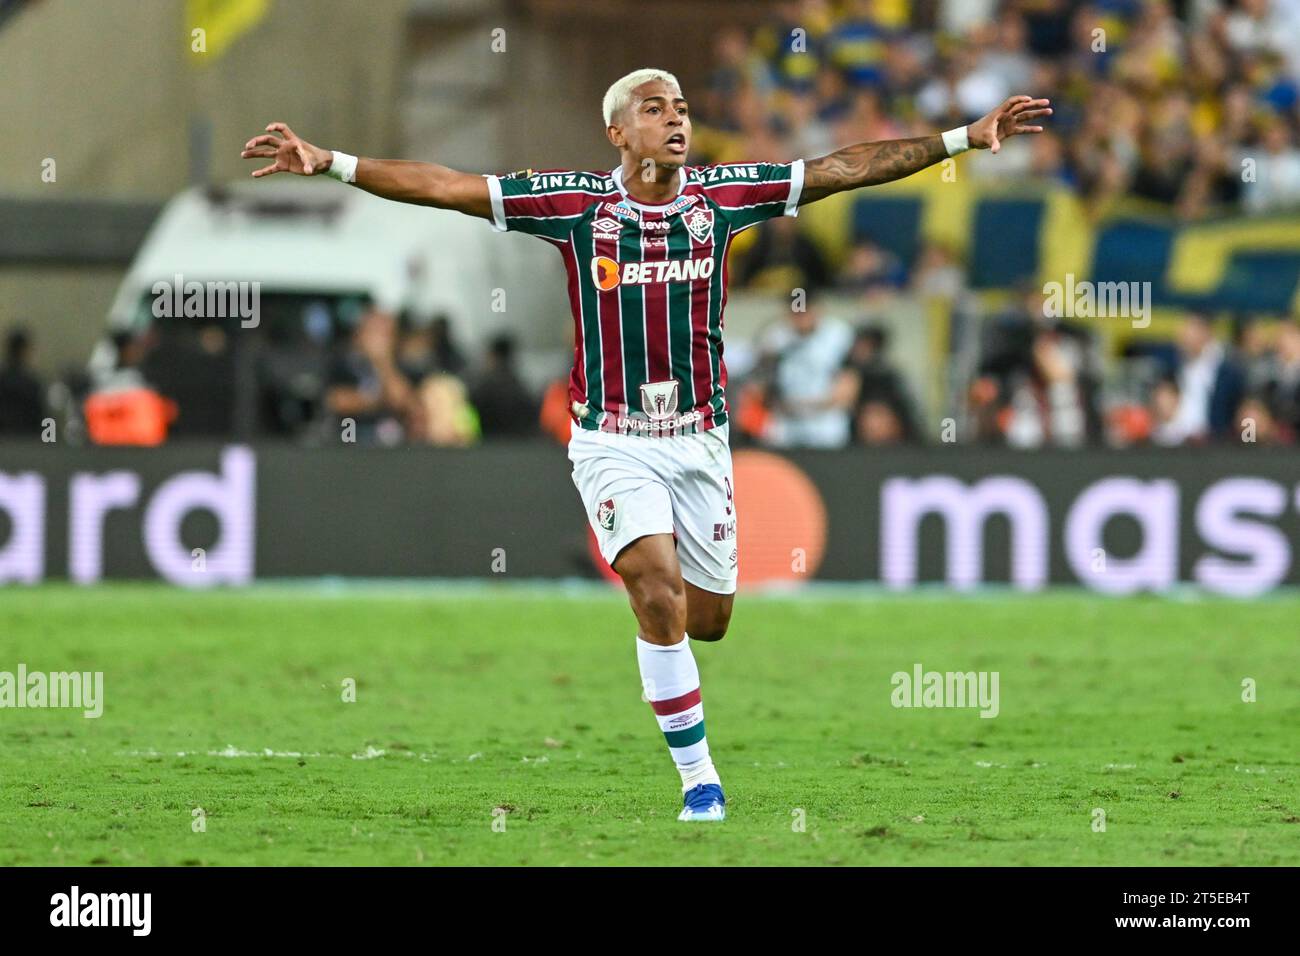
(1013, 117)
(291, 153)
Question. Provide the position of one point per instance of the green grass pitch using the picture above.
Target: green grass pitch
(521, 707)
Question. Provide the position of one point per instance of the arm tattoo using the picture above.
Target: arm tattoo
(869, 164)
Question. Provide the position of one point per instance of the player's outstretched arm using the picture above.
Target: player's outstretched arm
(869, 164)
(425, 184)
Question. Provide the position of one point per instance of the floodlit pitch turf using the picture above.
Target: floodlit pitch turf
(474, 699)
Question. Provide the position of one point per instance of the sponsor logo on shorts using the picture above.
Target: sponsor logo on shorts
(607, 515)
(724, 530)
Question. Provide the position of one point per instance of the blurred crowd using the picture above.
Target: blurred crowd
(384, 380)
(1192, 107)
(819, 383)
(412, 384)
(1231, 380)
(1037, 382)
(1194, 104)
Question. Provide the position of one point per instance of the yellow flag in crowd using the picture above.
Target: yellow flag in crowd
(213, 25)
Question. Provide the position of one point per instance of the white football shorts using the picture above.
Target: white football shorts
(634, 485)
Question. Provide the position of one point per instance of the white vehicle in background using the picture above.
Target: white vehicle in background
(316, 237)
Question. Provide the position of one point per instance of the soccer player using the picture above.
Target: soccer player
(645, 248)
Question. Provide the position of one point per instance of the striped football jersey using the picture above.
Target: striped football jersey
(647, 283)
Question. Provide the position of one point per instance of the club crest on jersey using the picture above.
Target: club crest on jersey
(605, 228)
(700, 224)
(607, 515)
(659, 399)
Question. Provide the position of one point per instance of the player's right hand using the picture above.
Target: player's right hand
(291, 154)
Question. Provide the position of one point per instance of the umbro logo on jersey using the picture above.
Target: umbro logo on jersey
(605, 228)
(608, 274)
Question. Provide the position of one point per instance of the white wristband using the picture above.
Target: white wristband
(956, 141)
(344, 167)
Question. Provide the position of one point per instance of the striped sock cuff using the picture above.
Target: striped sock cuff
(682, 721)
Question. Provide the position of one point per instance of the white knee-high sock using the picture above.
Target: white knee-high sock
(671, 682)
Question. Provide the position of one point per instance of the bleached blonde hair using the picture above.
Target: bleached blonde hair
(619, 96)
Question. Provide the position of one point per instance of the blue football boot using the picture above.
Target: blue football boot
(704, 802)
